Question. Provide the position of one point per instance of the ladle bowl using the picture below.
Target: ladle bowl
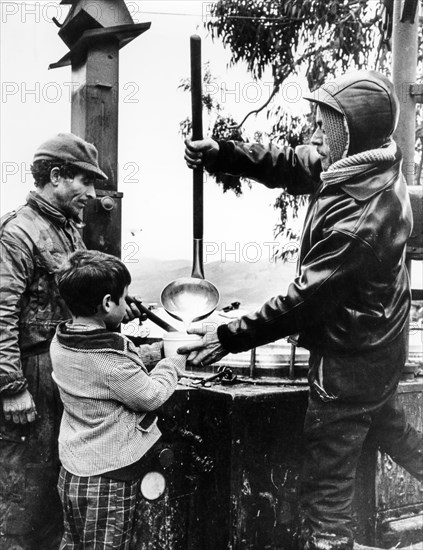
(190, 299)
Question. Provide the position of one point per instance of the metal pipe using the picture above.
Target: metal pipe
(253, 363)
(292, 362)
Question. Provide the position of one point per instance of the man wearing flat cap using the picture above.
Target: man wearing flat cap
(34, 241)
(350, 300)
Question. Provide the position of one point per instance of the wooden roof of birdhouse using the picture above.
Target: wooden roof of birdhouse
(88, 15)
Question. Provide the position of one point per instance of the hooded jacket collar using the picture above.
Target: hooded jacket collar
(96, 339)
(372, 182)
(376, 170)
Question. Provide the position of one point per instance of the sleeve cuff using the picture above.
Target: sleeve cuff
(224, 154)
(14, 387)
(178, 362)
(226, 338)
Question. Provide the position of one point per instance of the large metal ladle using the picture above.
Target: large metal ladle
(193, 298)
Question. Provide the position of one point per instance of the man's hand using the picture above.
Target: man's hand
(203, 151)
(132, 311)
(206, 351)
(20, 408)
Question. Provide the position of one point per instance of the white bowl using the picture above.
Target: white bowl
(174, 340)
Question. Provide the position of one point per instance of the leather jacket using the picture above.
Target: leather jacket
(34, 240)
(351, 293)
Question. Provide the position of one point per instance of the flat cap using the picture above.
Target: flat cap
(72, 149)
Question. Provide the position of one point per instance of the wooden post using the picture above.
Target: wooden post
(95, 104)
(95, 32)
(404, 68)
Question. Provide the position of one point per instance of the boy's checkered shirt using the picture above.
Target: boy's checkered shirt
(106, 392)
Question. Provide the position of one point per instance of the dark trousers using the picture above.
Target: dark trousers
(350, 399)
(30, 509)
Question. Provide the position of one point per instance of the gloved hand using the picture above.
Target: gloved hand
(203, 151)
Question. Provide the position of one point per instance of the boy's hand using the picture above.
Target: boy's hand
(132, 311)
(20, 408)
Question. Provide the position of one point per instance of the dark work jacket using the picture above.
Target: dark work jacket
(351, 292)
(34, 241)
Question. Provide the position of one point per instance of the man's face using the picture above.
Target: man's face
(320, 141)
(71, 195)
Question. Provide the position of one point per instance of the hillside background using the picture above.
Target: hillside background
(248, 283)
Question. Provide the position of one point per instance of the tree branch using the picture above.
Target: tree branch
(257, 111)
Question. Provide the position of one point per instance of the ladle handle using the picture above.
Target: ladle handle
(197, 133)
(152, 316)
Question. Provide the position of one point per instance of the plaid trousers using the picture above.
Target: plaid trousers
(98, 512)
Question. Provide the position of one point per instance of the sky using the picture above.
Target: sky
(157, 185)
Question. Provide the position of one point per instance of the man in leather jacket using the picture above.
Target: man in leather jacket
(35, 239)
(350, 300)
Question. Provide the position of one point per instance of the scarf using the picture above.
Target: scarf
(355, 165)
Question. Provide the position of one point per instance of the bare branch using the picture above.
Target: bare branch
(257, 111)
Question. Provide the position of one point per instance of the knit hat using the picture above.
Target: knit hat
(336, 130)
(73, 150)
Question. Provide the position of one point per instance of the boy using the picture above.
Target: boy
(108, 395)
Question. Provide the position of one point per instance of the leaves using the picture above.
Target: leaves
(316, 37)
(324, 37)
(225, 129)
(220, 127)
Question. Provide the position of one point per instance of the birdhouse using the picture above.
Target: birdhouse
(88, 14)
(91, 22)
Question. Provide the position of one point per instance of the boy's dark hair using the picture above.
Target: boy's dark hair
(41, 169)
(87, 276)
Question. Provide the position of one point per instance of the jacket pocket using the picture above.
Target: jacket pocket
(50, 306)
(366, 377)
(147, 422)
(316, 380)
